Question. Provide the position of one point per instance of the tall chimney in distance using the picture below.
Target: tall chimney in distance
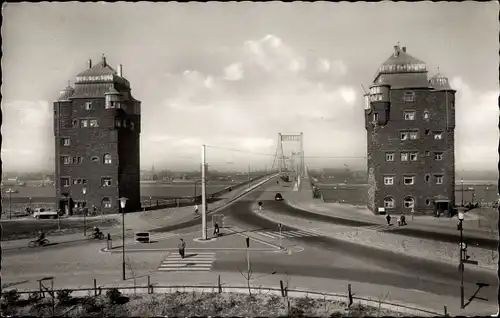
(90, 63)
(120, 70)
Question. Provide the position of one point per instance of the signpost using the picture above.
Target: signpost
(279, 229)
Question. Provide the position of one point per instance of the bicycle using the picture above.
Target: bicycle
(37, 243)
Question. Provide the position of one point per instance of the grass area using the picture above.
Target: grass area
(20, 229)
(113, 304)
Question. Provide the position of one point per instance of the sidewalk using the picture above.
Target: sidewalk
(475, 224)
(433, 304)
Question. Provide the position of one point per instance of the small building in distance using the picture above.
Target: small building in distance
(410, 123)
(97, 127)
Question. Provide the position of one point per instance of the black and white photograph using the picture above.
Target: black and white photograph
(250, 159)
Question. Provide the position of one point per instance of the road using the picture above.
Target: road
(322, 257)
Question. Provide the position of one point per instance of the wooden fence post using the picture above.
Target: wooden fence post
(95, 287)
(350, 294)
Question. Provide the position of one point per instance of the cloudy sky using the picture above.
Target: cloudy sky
(233, 75)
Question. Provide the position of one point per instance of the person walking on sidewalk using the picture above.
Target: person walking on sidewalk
(196, 208)
(388, 218)
(182, 248)
(216, 230)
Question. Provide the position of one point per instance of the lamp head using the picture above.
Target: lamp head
(123, 202)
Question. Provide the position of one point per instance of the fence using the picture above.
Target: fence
(151, 288)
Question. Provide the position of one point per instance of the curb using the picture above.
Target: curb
(169, 249)
(409, 309)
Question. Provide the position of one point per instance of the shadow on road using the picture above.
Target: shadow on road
(474, 296)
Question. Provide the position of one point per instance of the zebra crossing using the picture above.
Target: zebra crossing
(380, 227)
(192, 262)
(287, 234)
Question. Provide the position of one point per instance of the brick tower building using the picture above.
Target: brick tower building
(410, 122)
(97, 125)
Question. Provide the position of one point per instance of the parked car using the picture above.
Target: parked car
(41, 213)
(278, 197)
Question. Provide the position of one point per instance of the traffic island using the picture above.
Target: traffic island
(226, 242)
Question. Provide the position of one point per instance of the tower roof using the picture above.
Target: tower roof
(400, 57)
(101, 68)
(440, 82)
(401, 70)
(66, 93)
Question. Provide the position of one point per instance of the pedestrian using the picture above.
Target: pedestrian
(182, 248)
(216, 229)
(403, 220)
(196, 208)
(388, 218)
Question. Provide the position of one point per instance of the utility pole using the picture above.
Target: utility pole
(203, 194)
(462, 182)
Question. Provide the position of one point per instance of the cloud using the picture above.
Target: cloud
(27, 135)
(476, 132)
(266, 87)
(233, 72)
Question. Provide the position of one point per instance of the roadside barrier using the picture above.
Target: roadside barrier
(285, 292)
(142, 237)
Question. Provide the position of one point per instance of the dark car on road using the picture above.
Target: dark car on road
(278, 197)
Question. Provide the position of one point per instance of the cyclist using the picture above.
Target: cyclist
(96, 231)
(40, 237)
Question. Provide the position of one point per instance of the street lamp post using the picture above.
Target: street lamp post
(462, 182)
(150, 203)
(10, 204)
(84, 191)
(29, 204)
(123, 202)
(461, 265)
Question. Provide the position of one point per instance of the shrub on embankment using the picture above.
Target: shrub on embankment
(114, 304)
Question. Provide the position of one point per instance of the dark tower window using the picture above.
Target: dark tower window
(107, 159)
(409, 115)
(106, 203)
(427, 177)
(88, 105)
(409, 97)
(409, 202)
(427, 131)
(375, 117)
(427, 202)
(106, 182)
(95, 159)
(389, 202)
(66, 141)
(75, 123)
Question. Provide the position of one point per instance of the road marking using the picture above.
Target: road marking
(287, 234)
(379, 228)
(197, 262)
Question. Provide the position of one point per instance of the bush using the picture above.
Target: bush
(113, 295)
(11, 297)
(34, 296)
(64, 296)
